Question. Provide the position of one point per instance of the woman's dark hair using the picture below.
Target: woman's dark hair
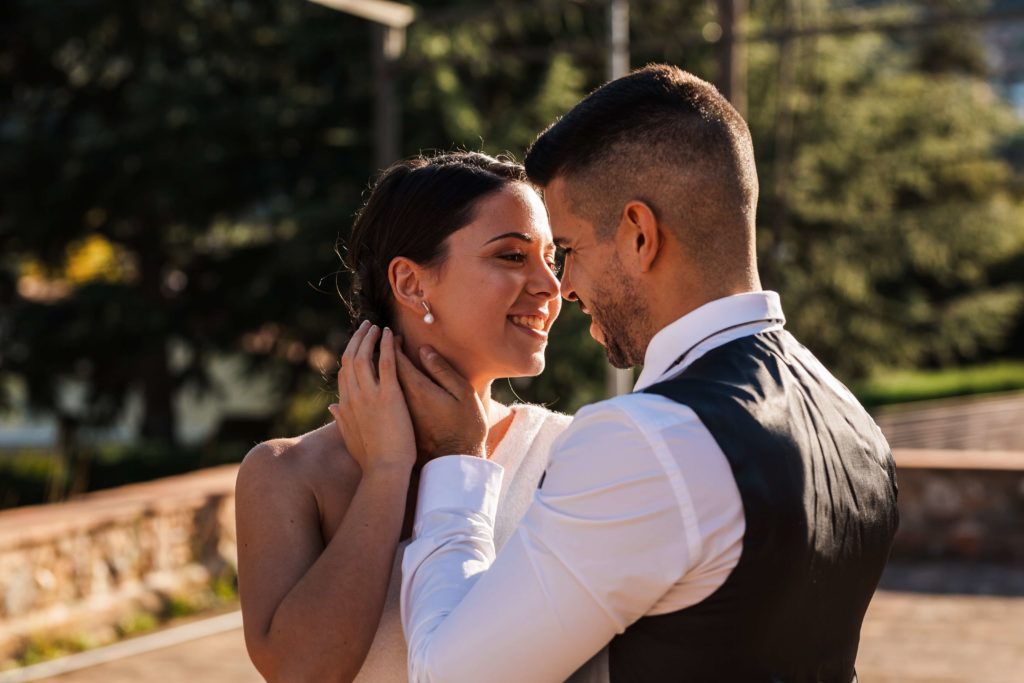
(412, 209)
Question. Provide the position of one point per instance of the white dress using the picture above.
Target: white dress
(523, 453)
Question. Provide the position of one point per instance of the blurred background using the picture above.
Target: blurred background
(177, 178)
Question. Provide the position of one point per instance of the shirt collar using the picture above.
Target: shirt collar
(700, 324)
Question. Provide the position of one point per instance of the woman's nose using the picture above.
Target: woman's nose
(543, 281)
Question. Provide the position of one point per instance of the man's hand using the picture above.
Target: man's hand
(447, 413)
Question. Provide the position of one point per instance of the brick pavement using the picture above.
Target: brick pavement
(927, 638)
(907, 638)
(214, 659)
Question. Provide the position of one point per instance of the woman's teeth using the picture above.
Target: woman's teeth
(531, 321)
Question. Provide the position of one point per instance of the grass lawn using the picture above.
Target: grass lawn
(900, 386)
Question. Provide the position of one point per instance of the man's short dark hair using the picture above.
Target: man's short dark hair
(662, 135)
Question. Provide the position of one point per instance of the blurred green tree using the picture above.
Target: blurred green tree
(888, 214)
(215, 150)
(174, 177)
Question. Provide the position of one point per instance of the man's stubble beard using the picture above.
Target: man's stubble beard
(623, 320)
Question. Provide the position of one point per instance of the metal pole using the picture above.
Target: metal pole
(388, 48)
(618, 39)
(390, 20)
(732, 53)
(618, 381)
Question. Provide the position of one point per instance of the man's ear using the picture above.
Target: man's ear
(407, 283)
(639, 235)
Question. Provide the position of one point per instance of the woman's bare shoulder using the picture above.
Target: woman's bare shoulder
(306, 463)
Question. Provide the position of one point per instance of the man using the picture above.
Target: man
(727, 521)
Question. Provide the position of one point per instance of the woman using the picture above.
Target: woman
(452, 251)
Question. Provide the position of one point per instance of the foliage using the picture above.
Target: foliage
(893, 222)
(220, 594)
(136, 623)
(43, 647)
(174, 176)
(197, 146)
(900, 386)
(34, 476)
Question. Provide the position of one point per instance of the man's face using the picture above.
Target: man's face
(594, 276)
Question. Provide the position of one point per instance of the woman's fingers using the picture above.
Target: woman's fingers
(387, 371)
(346, 380)
(365, 372)
(352, 348)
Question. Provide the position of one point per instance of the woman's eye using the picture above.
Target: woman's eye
(515, 257)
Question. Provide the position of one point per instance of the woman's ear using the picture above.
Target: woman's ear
(640, 232)
(407, 279)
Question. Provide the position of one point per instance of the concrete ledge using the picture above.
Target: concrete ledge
(25, 525)
(945, 459)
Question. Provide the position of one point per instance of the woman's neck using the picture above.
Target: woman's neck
(494, 410)
(499, 416)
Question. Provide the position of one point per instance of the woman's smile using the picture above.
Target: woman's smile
(530, 325)
(536, 323)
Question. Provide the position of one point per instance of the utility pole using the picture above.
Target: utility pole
(618, 38)
(391, 19)
(732, 53)
(618, 381)
(389, 44)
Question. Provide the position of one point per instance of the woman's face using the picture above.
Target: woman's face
(496, 295)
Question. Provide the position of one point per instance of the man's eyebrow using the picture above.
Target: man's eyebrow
(517, 235)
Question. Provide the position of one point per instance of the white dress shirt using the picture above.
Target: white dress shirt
(638, 515)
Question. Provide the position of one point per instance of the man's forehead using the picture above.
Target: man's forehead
(565, 224)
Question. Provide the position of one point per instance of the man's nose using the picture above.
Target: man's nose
(568, 291)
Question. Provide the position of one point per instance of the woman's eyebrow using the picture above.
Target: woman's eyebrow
(517, 235)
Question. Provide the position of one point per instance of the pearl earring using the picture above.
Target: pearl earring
(429, 317)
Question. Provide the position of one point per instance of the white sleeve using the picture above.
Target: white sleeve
(605, 538)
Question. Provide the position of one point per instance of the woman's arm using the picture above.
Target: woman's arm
(310, 611)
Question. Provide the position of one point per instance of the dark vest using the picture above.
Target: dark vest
(818, 485)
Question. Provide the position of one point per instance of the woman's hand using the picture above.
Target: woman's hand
(371, 413)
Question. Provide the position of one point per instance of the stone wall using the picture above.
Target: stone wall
(960, 505)
(86, 564)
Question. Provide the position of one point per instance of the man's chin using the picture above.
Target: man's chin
(617, 361)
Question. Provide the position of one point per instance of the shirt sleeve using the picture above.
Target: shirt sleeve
(604, 539)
